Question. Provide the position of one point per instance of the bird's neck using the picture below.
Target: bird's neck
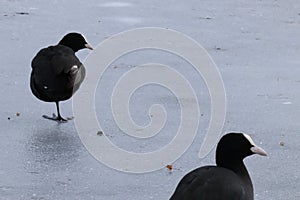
(237, 166)
(70, 45)
(240, 169)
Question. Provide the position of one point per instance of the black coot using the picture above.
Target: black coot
(229, 180)
(56, 71)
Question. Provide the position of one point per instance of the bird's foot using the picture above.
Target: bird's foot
(57, 118)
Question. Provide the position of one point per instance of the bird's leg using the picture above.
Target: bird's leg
(58, 118)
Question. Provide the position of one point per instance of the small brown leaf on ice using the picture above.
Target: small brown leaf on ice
(170, 167)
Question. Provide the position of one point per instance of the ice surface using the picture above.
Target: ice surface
(255, 44)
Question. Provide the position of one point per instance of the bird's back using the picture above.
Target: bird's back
(211, 183)
(56, 73)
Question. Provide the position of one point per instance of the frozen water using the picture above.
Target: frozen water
(255, 44)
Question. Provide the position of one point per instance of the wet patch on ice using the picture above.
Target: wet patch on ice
(127, 20)
(116, 4)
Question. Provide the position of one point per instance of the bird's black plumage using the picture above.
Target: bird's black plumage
(56, 71)
(228, 180)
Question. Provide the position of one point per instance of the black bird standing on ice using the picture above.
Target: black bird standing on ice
(56, 71)
(229, 180)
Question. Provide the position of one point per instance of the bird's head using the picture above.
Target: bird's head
(75, 41)
(237, 146)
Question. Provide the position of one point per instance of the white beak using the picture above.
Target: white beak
(88, 46)
(258, 150)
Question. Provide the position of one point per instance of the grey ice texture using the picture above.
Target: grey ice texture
(255, 45)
